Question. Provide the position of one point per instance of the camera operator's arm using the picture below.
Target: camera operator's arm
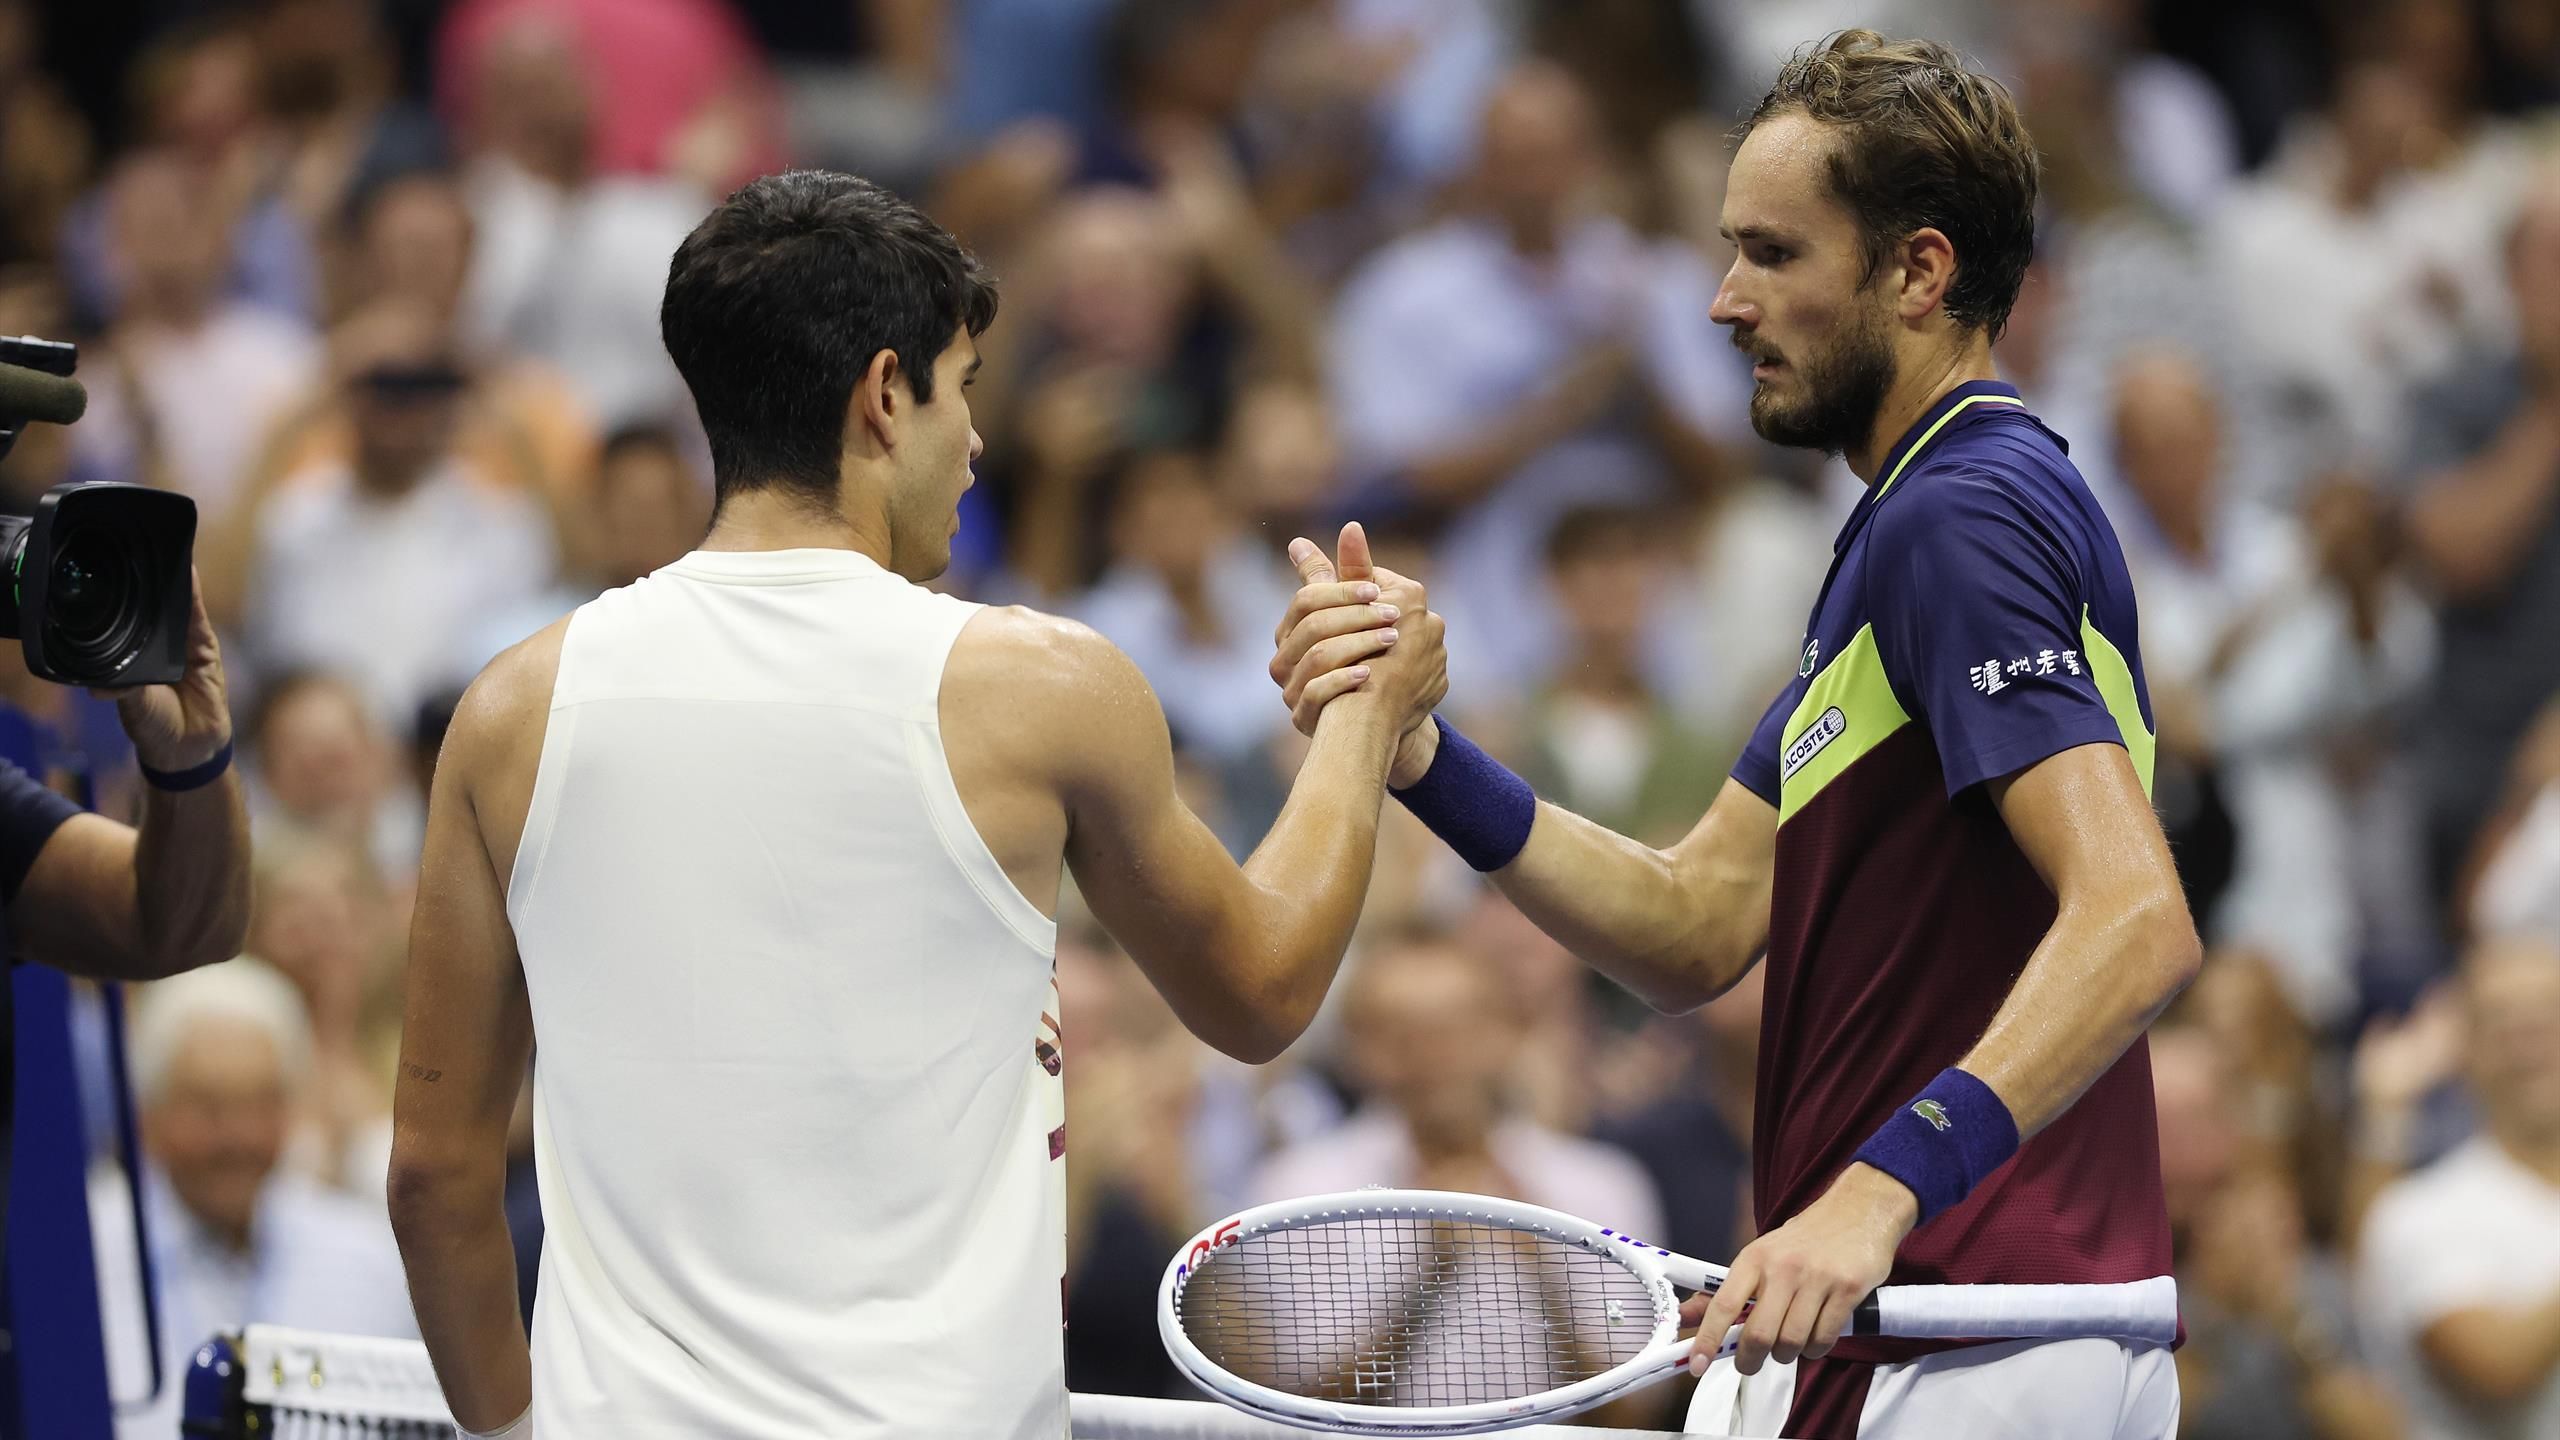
(119, 903)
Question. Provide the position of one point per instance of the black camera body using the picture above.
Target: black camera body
(100, 581)
(101, 584)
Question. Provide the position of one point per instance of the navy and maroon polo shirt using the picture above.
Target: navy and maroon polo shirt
(1977, 619)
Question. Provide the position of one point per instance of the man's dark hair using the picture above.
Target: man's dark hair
(778, 300)
(1923, 143)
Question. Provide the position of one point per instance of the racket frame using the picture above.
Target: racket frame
(1663, 1273)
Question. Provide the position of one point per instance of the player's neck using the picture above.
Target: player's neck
(1917, 388)
(779, 520)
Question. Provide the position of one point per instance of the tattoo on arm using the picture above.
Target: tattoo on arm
(423, 1073)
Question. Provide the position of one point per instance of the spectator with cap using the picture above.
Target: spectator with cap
(221, 1057)
(2459, 1269)
(377, 569)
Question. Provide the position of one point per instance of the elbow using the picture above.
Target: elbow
(1265, 1027)
(2175, 950)
(429, 1193)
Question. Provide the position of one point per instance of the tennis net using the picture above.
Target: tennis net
(273, 1383)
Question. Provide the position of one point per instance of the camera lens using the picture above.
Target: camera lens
(94, 601)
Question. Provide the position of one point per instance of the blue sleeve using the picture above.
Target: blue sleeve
(1977, 602)
(29, 814)
(1758, 767)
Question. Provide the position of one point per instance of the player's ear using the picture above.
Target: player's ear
(879, 398)
(1928, 261)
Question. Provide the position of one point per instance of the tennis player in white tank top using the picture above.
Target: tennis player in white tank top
(762, 852)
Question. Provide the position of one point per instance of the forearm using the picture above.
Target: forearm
(2496, 1355)
(1311, 872)
(1634, 913)
(462, 1283)
(191, 876)
(2473, 525)
(2105, 970)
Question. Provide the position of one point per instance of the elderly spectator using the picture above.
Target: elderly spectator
(221, 1057)
(378, 569)
(2459, 1270)
(2485, 524)
(569, 262)
(1501, 367)
(191, 380)
(2282, 652)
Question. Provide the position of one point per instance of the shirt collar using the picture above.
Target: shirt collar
(1952, 411)
(1969, 398)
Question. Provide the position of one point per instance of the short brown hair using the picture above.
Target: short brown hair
(1924, 143)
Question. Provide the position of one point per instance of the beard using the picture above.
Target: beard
(1843, 387)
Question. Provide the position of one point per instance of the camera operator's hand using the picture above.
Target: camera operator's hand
(178, 727)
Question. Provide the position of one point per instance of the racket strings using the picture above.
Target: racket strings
(1412, 1312)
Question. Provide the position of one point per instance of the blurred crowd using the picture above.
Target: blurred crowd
(376, 282)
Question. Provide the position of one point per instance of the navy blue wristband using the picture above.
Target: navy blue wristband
(1945, 1141)
(194, 777)
(1470, 801)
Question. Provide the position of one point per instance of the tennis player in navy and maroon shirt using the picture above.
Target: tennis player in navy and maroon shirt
(1941, 832)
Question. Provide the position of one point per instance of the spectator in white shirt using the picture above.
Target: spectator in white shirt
(220, 1057)
(1432, 1033)
(190, 381)
(2459, 1272)
(377, 570)
(569, 265)
(2285, 651)
(1521, 358)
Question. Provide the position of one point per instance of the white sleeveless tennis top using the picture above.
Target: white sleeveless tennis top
(797, 1112)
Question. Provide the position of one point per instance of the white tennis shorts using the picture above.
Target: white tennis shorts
(2018, 1390)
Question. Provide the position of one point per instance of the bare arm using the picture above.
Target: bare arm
(2121, 946)
(117, 903)
(467, 1032)
(2474, 524)
(2495, 1355)
(1677, 927)
(1243, 955)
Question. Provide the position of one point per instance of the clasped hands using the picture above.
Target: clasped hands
(1357, 628)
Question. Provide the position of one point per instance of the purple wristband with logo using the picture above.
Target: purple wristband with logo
(1942, 1144)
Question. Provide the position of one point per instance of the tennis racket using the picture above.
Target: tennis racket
(1422, 1312)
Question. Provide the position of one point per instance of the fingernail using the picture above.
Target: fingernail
(1366, 591)
(1386, 637)
(1359, 672)
(1298, 551)
(1388, 612)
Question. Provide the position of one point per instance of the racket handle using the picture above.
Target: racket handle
(2141, 1310)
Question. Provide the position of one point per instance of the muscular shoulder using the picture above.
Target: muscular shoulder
(507, 703)
(1048, 682)
(1957, 516)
